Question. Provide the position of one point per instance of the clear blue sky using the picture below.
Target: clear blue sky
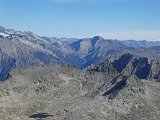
(121, 19)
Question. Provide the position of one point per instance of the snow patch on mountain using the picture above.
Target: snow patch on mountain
(4, 35)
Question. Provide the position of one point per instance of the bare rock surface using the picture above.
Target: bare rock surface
(55, 92)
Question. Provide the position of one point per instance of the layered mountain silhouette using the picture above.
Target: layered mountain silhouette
(78, 79)
(23, 49)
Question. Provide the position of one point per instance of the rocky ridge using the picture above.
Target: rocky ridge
(23, 49)
(68, 93)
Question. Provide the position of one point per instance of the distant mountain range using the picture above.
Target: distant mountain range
(119, 80)
(23, 49)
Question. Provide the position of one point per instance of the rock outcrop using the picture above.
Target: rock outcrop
(55, 92)
(142, 67)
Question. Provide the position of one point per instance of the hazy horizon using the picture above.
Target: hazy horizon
(111, 19)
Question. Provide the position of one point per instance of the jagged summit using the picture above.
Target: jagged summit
(142, 67)
(27, 48)
(122, 62)
(128, 65)
(95, 39)
(11, 34)
(72, 94)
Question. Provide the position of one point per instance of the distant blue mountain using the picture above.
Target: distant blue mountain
(22, 49)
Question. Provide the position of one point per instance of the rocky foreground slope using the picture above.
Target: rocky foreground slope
(102, 92)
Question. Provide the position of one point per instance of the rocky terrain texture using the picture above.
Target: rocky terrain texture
(126, 88)
(23, 49)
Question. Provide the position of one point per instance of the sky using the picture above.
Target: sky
(112, 19)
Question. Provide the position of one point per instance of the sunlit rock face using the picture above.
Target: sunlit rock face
(23, 49)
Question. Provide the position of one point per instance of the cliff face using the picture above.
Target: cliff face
(142, 67)
(155, 70)
(66, 92)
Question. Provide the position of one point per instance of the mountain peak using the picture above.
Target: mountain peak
(2, 29)
(122, 62)
(95, 39)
